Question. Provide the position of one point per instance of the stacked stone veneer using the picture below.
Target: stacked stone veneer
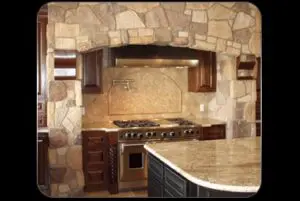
(227, 28)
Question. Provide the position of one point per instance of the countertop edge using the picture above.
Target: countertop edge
(221, 187)
(100, 129)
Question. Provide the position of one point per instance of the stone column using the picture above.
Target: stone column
(65, 150)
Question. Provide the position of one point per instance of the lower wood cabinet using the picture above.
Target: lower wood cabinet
(95, 160)
(214, 132)
(163, 181)
(43, 163)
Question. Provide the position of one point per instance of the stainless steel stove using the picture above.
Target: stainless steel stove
(132, 137)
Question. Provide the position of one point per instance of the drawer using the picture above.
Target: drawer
(214, 132)
(156, 167)
(96, 142)
(175, 181)
(95, 166)
(96, 156)
(96, 176)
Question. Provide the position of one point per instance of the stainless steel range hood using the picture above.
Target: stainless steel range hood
(156, 63)
(154, 56)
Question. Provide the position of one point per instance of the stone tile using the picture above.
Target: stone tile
(255, 44)
(156, 18)
(242, 35)
(242, 21)
(82, 15)
(228, 68)
(199, 16)
(200, 37)
(249, 112)
(233, 51)
(177, 21)
(245, 49)
(114, 34)
(218, 12)
(188, 12)
(57, 137)
(133, 32)
(221, 45)
(163, 35)
(128, 20)
(80, 178)
(55, 14)
(174, 6)
(74, 157)
(140, 7)
(65, 43)
(124, 37)
(242, 7)
(66, 30)
(236, 45)
(237, 89)
(211, 39)
(205, 45)
(198, 28)
(104, 12)
(52, 156)
(54, 190)
(183, 34)
(63, 188)
(69, 176)
(227, 4)
(220, 29)
(145, 32)
(180, 41)
(198, 5)
(57, 174)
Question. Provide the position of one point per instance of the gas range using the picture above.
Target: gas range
(147, 130)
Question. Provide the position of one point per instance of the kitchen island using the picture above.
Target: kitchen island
(215, 168)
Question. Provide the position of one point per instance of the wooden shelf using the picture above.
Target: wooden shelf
(246, 78)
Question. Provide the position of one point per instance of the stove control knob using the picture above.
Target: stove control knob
(191, 131)
(132, 135)
(186, 132)
(164, 134)
(140, 135)
(153, 134)
(127, 135)
(148, 134)
(172, 134)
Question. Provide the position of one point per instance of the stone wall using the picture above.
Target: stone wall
(227, 28)
(155, 93)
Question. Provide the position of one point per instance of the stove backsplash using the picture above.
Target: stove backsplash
(153, 93)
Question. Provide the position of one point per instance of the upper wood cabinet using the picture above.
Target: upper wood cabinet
(92, 72)
(204, 77)
(41, 53)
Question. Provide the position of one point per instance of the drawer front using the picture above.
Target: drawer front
(96, 143)
(155, 188)
(258, 129)
(94, 166)
(95, 177)
(156, 167)
(175, 181)
(96, 156)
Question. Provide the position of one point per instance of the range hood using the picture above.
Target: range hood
(154, 56)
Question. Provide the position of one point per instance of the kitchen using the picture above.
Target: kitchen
(119, 74)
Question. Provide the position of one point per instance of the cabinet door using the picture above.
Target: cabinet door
(214, 132)
(92, 72)
(203, 78)
(155, 188)
(43, 167)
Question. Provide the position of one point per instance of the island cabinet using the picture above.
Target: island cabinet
(92, 72)
(95, 161)
(213, 132)
(204, 77)
(163, 181)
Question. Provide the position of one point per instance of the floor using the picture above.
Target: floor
(140, 193)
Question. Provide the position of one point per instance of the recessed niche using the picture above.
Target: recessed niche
(245, 65)
(65, 65)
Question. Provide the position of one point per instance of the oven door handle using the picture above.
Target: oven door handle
(129, 145)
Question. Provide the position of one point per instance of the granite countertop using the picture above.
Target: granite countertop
(109, 126)
(229, 165)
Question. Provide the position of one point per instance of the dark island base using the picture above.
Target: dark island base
(165, 182)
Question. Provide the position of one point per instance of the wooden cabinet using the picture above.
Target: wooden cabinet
(204, 77)
(95, 161)
(41, 67)
(214, 132)
(92, 72)
(42, 160)
(172, 184)
(113, 162)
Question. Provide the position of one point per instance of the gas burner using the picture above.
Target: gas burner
(180, 121)
(134, 123)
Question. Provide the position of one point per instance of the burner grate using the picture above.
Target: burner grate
(134, 123)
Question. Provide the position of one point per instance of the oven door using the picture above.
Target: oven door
(133, 162)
